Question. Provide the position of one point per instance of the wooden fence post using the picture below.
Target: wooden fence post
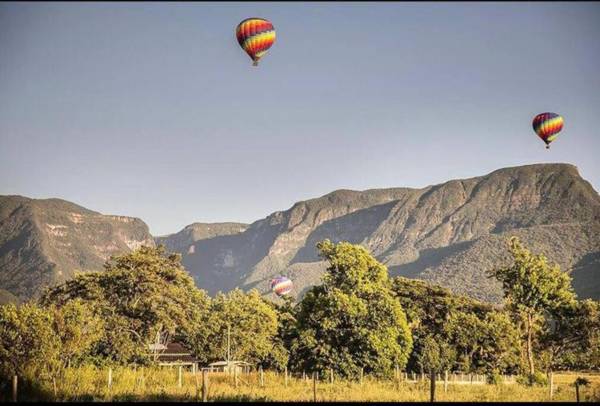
(314, 386)
(551, 382)
(197, 385)
(110, 384)
(432, 386)
(577, 390)
(446, 381)
(15, 387)
(204, 385)
(262, 377)
(54, 388)
(179, 377)
(304, 375)
(331, 375)
(362, 373)
(285, 376)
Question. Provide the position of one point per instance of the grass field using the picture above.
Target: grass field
(90, 384)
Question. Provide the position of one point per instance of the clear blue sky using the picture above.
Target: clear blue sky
(152, 109)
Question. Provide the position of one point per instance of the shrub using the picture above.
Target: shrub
(538, 378)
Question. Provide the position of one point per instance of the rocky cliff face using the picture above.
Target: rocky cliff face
(195, 232)
(44, 242)
(450, 234)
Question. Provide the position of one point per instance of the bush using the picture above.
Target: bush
(537, 378)
(494, 378)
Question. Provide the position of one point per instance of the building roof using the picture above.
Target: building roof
(173, 352)
(224, 363)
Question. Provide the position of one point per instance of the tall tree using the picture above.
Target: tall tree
(249, 324)
(28, 344)
(78, 328)
(481, 335)
(532, 289)
(138, 295)
(570, 338)
(352, 320)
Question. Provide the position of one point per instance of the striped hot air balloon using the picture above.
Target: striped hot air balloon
(547, 126)
(255, 36)
(281, 285)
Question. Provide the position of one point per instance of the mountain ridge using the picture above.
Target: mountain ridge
(448, 233)
(415, 232)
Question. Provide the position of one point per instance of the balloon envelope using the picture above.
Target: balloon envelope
(281, 285)
(255, 36)
(547, 126)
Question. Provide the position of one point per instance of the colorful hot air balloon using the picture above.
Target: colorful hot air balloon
(281, 285)
(547, 126)
(255, 36)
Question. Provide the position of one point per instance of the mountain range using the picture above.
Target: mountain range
(448, 234)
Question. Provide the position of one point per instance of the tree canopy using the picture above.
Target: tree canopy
(352, 320)
(138, 295)
(533, 289)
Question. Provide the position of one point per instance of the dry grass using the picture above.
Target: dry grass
(151, 384)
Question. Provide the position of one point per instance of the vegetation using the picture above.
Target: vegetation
(469, 336)
(352, 321)
(89, 383)
(540, 298)
(139, 296)
(358, 321)
(253, 327)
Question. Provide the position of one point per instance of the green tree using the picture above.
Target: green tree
(482, 336)
(435, 355)
(486, 343)
(139, 295)
(532, 289)
(78, 328)
(253, 326)
(570, 338)
(28, 344)
(286, 332)
(352, 320)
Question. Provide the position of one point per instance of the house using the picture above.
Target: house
(231, 366)
(173, 354)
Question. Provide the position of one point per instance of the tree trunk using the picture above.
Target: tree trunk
(530, 344)
(54, 388)
(445, 381)
(15, 383)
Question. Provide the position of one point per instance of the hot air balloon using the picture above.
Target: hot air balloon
(547, 126)
(281, 285)
(255, 36)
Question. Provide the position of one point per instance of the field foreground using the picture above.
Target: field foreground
(151, 384)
